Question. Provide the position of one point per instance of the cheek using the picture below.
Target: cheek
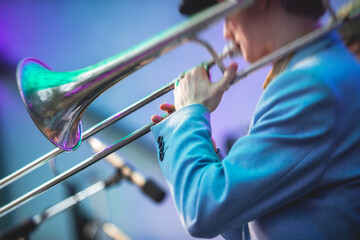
(239, 29)
(249, 47)
(245, 34)
(242, 37)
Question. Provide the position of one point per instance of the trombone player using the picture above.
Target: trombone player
(296, 175)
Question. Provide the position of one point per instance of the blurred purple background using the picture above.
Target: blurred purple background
(69, 35)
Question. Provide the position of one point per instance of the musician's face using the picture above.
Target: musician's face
(246, 30)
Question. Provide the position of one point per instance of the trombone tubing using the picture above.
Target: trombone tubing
(155, 46)
(287, 49)
(104, 124)
(77, 168)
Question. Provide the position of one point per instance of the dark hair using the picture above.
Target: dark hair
(188, 7)
(309, 8)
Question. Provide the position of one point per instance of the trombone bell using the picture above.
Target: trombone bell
(47, 98)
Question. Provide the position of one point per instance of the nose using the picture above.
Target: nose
(227, 31)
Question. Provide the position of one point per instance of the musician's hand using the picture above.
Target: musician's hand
(196, 88)
(167, 107)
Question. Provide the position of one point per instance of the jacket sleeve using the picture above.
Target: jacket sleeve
(283, 157)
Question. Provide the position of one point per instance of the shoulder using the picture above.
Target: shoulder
(297, 93)
(328, 59)
(324, 65)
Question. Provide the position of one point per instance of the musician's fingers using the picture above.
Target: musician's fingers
(167, 107)
(229, 75)
(156, 118)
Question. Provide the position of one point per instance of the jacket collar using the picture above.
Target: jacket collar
(289, 61)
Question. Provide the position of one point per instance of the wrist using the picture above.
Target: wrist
(181, 106)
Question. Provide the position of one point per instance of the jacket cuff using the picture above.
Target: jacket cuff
(170, 125)
(178, 117)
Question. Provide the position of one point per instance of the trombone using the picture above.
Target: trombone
(56, 101)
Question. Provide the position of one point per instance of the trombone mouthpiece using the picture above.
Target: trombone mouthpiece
(231, 50)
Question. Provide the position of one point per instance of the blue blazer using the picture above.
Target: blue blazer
(297, 173)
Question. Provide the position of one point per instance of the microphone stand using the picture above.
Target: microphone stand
(147, 186)
(24, 229)
(124, 171)
(79, 217)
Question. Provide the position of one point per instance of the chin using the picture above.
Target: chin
(249, 58)
(252, 56)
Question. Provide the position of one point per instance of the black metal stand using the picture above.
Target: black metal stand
(24, 229)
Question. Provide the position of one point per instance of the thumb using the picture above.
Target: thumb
(229, 75)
